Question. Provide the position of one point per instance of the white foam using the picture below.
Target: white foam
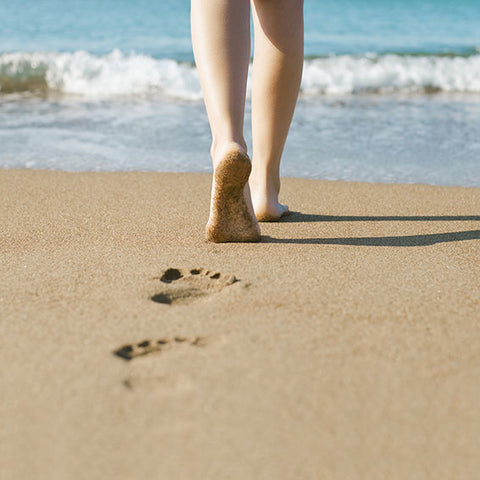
(117, 75)
(112, 75)
(391, 73)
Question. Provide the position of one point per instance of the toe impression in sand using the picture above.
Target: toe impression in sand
(230, 218)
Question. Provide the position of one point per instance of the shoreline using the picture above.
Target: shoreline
(288, 178)
(344, 345)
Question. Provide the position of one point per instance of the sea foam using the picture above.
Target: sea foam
(118, 75)
(84, 74)
(392, 73)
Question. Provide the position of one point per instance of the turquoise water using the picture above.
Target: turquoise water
(391, 89)
(161, 28)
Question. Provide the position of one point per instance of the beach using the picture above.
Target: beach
(343, 345)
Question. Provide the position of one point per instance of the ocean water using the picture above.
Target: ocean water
(390, 92)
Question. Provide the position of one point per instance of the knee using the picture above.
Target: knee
(281, 5)
(279, 11)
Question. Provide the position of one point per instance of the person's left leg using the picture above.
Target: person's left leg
(277, 73)
(221, 44)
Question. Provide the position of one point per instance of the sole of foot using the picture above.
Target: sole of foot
(230, 218)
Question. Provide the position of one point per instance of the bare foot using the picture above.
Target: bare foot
(265, 188)
(230, 218)
(269, 211)
(265, 202)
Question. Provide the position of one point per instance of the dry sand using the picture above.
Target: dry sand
(347, 349)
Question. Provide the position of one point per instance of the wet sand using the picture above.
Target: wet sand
(343, 345)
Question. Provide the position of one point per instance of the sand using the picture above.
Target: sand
(345, 345)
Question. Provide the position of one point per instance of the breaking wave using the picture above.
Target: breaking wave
(112, 75)
(119, 75)
(392, 73)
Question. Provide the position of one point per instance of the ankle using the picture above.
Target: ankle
(264, 186)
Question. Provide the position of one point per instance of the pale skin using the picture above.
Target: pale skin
(221, 44)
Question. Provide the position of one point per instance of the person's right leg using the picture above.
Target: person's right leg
(221, 44)
(277, 72)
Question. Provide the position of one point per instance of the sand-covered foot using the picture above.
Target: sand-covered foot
(269, 211)
(230, 218)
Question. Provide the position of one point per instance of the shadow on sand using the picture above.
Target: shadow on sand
(397, 241)
(298, 217)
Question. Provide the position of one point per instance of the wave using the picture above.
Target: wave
(83, 74)
(392, 73)
(118, 75)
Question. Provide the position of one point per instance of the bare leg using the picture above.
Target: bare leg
(277, 73)
(221, 44)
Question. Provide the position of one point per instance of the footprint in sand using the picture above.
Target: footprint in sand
(133, 350)
(183, 286)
